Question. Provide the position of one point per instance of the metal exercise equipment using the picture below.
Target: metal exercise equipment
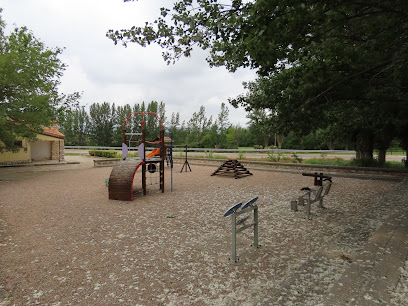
(234, 213)
(312, 196)
(318, 178)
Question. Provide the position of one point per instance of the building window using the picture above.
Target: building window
(18, 143)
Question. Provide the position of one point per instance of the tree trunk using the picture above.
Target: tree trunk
(279, 139)
(364, 145)
(330, 145)
(381, 156)
(406, 159)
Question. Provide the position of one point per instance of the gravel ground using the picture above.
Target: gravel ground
(64, 243)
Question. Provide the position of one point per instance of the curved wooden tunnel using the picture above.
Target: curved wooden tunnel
(121, 180)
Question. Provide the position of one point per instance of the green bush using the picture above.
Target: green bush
(241, 154)
(209, 154)
(274, 157)
(297, 159)
(107, 154)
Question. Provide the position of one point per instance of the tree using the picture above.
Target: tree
(198, 125)
(120, 115)
(101, 122)
(222, 124)
(29, 79)
(74, 124)
(320, 57)
(174, 125)
(262, 122)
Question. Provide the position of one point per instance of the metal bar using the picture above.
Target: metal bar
(256, 242)
(245, 227)
(133, 134)
(143, 179)
(233, 237)
(308, 207)
(171, 160)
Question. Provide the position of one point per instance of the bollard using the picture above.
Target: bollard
(293, 205)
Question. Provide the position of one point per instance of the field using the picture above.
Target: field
(64, 243)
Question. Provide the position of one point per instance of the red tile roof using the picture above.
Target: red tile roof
(53, 133)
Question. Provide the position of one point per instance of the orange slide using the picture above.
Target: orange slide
(153, 153)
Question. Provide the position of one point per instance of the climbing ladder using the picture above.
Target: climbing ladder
(232, 168)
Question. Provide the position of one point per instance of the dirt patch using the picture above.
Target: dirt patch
(63, 242)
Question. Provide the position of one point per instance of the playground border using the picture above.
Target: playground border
(341, 171)
(382, 173)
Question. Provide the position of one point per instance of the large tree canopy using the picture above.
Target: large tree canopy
(340, 62)
(29, 79)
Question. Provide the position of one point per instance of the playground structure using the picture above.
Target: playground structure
(232, 168)
(122, 175)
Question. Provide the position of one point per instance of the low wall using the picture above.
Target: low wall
(370, 172)
(106, 162)
(362, 171)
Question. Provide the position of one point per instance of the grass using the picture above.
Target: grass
(327, 161)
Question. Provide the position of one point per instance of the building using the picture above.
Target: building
(49, 145)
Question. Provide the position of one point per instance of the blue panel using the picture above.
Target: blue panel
(242, 220)
(232, 209)
(250, 202)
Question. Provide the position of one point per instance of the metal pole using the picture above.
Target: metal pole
(234, 237)
(171, 160)
(256, 243)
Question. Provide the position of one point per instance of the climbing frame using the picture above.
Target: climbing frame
(232, 167)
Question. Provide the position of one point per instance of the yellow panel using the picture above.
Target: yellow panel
(46, 137)
(20, 156)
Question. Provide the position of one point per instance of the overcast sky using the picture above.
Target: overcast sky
(115, 74)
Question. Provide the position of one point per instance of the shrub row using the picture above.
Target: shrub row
(107, 154)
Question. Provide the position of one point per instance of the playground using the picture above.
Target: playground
(64, 242)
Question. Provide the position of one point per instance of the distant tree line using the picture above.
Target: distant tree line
(101, 125)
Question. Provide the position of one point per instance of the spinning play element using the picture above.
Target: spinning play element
(234, 213)
(232, 168)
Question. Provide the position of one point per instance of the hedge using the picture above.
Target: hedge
(107, 154)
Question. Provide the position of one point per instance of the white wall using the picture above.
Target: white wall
(40, 150)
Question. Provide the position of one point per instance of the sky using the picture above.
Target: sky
(104, 72)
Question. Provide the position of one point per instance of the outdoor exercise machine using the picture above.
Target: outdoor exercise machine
(122, 175)
(234, 213)
(318, 178)
(311, 196)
